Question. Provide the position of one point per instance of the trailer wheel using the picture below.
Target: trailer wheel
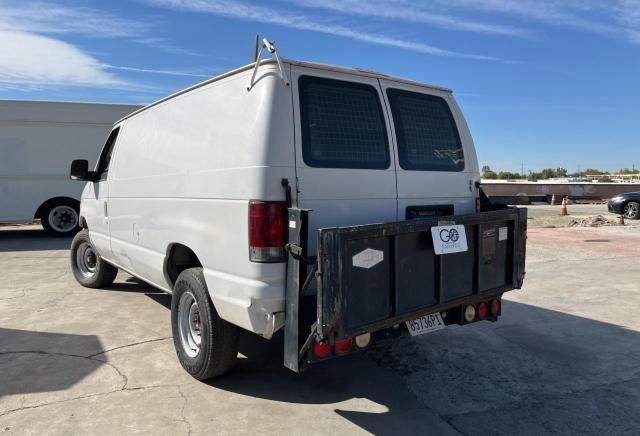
(88, 268)
(207, 345)
(631, 210)
(61, 218)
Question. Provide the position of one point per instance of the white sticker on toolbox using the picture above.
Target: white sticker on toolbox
(292, 224)
(449, 239)
(503, 234)
(368, 258)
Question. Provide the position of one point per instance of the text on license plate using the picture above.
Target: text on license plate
(425, 324)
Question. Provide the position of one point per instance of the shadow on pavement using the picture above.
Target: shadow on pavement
(262, 375)
(26, 368)
(538, 371)
(18, 239)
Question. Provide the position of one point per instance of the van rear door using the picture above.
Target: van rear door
(345, 164)
(436, 160)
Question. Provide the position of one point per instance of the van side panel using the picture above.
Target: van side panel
(184, 171)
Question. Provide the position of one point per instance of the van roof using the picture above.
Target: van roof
(320, 66)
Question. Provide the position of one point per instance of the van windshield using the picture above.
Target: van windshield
(426, 132)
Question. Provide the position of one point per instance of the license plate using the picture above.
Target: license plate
(425, 324)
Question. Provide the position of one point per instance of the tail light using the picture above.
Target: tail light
(495, 308)
(343, 346)
(482, 310)
(321, 350)
(478, 205)
(267, 231)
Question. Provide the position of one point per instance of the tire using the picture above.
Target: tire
(631, 210)
(61, 218)
(206, 345)
(89, 269)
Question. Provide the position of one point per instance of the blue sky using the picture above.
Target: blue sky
(541, 82)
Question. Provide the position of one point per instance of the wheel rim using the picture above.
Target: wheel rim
(63, 218)
(631, 210)
(189, 324)
(86, 259)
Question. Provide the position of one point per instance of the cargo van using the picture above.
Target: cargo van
(37, 141)
(202, 195)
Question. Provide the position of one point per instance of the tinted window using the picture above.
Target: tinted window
(426, 132)
(107, 151)
(342, 125)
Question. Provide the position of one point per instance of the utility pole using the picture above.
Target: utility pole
(522, 168)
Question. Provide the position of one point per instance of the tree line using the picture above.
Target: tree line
(547, 173)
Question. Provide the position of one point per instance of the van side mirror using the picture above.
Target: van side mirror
(80, 171)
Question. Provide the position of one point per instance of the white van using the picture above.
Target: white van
(190, 192)
(37, 141)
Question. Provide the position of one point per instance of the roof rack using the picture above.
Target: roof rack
(271, 48)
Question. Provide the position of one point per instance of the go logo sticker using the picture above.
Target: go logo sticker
(449, 239)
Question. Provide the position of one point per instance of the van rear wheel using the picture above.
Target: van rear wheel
(89, 269)
(206, 345)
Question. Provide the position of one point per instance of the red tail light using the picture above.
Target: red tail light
(482, 310)
(478, 205)
(321, 350)
(495, 308)
(267, 231)
(344, 346)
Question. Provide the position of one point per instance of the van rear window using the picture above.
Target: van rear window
(342, 125)
(426, 132)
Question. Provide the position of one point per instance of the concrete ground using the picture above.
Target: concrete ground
(563, 358)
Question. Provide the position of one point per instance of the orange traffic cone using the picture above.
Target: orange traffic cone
(553, 200)
(563, 207)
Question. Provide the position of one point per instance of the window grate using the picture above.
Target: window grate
(342, 124)
(427, 135)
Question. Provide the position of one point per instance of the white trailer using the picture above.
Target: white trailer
(38, 139)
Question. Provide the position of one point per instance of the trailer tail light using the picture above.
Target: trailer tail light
(321, 350)
(267, 231)
(495, 308)
(482, 310)
(363, 341)
(469, 313)
(343, 346)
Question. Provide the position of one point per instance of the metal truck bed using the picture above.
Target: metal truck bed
(371, 277)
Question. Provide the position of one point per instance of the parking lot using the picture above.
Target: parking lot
(563, 358)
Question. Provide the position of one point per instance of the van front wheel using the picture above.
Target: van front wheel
(89, 269)
(206, 345)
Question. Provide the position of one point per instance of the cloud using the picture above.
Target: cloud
(154, 71)
(46, 18)
(404, 10)
(262, 14)
(37, 61)
(165, 45)
(51, 19)
(31, 59)
(617, 18)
